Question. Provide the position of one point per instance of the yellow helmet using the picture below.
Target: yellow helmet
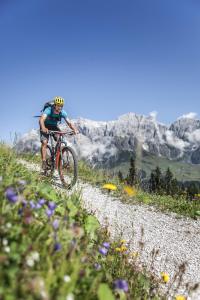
(59, 101)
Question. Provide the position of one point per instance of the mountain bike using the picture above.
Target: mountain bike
(62, 157)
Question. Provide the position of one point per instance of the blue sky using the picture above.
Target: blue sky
(106, 58)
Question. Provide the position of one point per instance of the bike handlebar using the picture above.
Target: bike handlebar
(51, 132)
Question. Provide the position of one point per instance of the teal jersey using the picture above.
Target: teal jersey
(52, 118)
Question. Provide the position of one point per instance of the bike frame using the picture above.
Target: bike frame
(56, 150)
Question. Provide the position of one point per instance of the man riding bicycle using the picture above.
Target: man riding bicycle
(49, 121)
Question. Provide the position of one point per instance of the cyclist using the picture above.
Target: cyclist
(49, 121)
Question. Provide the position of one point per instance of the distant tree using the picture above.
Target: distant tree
(167, 182)
(192, 190)
(152, 183)
(156, 181)
(120, 176)
(132, 175)
(174, 189)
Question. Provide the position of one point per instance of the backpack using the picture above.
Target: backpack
(51, 104)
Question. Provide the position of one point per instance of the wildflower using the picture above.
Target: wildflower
(121, 284)
(5, 242)
(24, 202)
(97, 266)
(124, 248)
(118, 249)
(42, 201)
(55, 224)
(67, 278)
(57, 247)
(130, 191)
(20, 211)
(38, 206)
(106, 245)
(123, 242)
(30, 262)
(180, 297)
(109, 186)
(8, 225)
(32, 204)
(103, 250)
(51, 205)
(11, 195)
(165, 277)
(49, 212)
(22, 182)
(35, 256)
(7, 249)
(134, 254)
(70, 296)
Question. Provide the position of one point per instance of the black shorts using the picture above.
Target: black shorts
(45, 136)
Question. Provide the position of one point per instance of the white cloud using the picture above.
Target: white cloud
(153, 114)
(174, 141)
(191, 115)
(194, 136)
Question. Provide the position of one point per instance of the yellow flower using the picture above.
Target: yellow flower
(118, 249)
(134, 254)
(109, 186)
(165, 277)
(180, 297)
(130, 191)
(123, 242)
(123, 248)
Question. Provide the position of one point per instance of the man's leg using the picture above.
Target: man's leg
(44, 141)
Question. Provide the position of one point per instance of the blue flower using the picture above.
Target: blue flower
(51, 205)
(24, 203)
(106, 245)
(57, 247)
(41, 201)
(121, 284)
(11, 195)
(97, 266)
(22, 182)
(38, 206)
(32, 204)
(55, 224)
(49, 212)
(103, 250)
(20, 211)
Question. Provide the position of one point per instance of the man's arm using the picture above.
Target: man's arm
(75, 130)
(41, 121)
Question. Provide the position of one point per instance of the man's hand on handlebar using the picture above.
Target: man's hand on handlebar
(45, 130)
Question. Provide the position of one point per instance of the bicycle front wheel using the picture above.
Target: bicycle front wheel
(68, 167)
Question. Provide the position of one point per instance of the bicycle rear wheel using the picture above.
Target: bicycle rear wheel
(68, 167)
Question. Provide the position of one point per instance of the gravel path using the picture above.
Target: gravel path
(176, 239)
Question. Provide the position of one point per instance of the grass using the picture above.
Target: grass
(179, 204)
(50, 248)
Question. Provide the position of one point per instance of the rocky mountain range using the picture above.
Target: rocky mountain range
(103, 143)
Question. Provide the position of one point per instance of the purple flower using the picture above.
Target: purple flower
(121, 284)
(51, 205)
(32, 204)
(106, 245)
(22, 182)
(41, 201)
(55, 224)
(24, 203)
(38, 206)
(57, 247)
(97, 266)
(49, 212)
(11, 195)
(20, 211)
(103, 251)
